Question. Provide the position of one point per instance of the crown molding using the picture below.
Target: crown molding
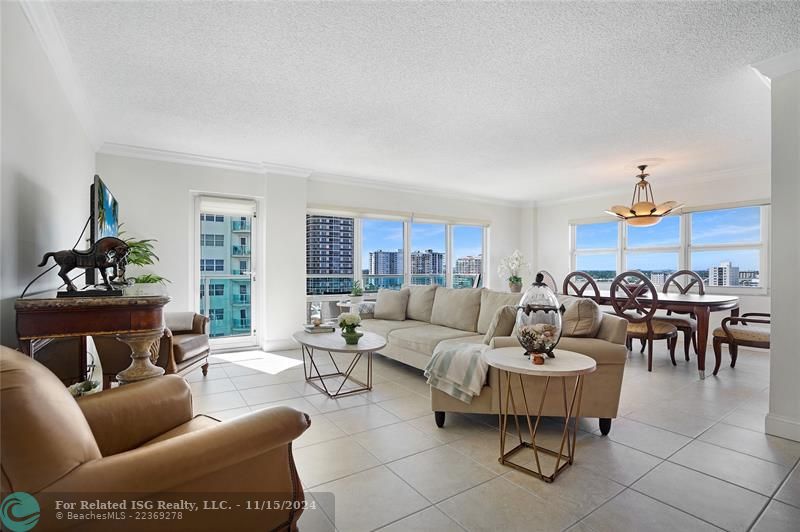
(778, 66)
(393, 186)
(46, 28)
(155, 154)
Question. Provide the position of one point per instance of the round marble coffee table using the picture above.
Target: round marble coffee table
(334, 344)
(511, 362)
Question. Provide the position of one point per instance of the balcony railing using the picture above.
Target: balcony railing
(240, 226)
(428, 279)
(240, 251)
(241, 323)
(466, 280)
(241, 299)
(373, 282)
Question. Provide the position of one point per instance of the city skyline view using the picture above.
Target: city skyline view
(738, 226)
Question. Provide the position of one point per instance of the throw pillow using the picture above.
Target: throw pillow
(457, 308)
(420, 302)
(581, 318)
(391, 304)
(502, 324)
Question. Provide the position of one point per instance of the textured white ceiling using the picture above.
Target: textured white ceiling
(503, 100)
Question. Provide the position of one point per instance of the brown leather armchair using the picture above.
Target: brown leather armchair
(183, 348)
(141, 439)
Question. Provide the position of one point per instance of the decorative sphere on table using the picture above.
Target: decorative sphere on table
(539, 321)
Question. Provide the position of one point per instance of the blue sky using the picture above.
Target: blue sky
(740, 225)
(388, 236)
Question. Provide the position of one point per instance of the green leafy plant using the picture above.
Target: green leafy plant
(141, 252)
(149, 278)
(357, 289)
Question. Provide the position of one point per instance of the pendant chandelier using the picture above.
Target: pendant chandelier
(643, 211)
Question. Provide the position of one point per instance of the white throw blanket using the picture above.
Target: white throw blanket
(458, 369)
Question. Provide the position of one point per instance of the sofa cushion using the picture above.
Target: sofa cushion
(186, 346)
(457, 308)
(384, 327)
(503, 323)
(581, 318)
(491, 300)
(391, 304)
(179, 321)
(476, 339)
(420, 302)
(423, 339)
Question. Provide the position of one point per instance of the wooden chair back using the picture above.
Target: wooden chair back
(549, 280)
(579, 282)
(633, 291)
(693, 281)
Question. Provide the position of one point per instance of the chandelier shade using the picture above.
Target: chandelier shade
(643, 210)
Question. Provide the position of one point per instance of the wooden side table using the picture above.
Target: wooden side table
(512, 363)
(333, 343)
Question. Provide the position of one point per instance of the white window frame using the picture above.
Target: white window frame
(685, 247)
(408, 219)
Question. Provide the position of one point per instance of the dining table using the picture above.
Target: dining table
(701, 306)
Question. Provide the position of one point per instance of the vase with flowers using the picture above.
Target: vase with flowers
(511, 268)
(348, 321)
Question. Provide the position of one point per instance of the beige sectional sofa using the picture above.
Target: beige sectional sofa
(434, 315)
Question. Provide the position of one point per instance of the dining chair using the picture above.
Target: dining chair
(579, 282)
(635, 298)
(736, 331)
(685, 322)
(549, 280)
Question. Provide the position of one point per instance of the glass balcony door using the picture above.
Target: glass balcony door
(227, 281)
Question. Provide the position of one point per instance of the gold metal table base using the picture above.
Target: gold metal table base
(568, 435)
(313, 375)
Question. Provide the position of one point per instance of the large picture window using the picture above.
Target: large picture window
(726, 247)
(381, 252)
(428, 253)
(330, 251)
(594, 252)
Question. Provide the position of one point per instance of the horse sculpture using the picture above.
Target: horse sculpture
(108, 252)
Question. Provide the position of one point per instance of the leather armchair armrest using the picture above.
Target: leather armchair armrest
(176, 461)
(126, 417)
(200, 324)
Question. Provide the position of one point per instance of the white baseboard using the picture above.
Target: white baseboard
(279, 344)
(782, 427)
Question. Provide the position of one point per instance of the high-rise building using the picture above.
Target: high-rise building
(225, 282)
(385, 262)
(658, 278)
(726, 274)
(470, 264)
(427, 262)
(329, 251)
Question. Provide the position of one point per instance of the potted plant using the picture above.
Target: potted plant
(348, 321)
(357, 293)
(511, 268)
(140, 253)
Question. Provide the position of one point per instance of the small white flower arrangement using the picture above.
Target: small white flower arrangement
(348, 321)
(512, 267)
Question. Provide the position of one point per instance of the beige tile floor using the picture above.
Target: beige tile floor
(684, 454)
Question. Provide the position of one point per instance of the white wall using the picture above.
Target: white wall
(508, 222)
(552, 234)
(784, 394)
(47, 166)
(157, 201)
